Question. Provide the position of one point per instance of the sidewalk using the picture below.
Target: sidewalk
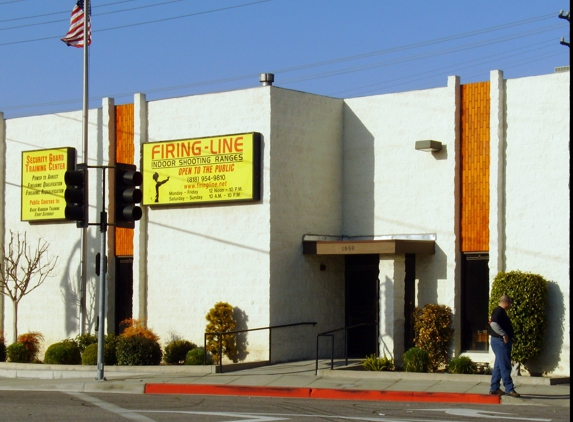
(294, 379)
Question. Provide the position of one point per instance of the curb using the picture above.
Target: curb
(321, 393)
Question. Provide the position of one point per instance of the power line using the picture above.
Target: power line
(425, 55)
(147, 22)
(453, 68)
(67, 12)
(93, 14)
(339, 60)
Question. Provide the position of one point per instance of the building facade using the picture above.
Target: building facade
(354, 224)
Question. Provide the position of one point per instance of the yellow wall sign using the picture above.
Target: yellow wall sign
(43, 183)
(202, 170)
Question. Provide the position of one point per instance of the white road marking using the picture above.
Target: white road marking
(485, 414)
(128, 414)
(260, 417)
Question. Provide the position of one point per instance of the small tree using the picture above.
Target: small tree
(527, 312)
(221, 320)
(433, 328)
(23, 269)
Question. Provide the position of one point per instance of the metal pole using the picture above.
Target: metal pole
(316, 365)
(332, 353)
(84, 242)
(205, 349)
(346, 346)
(220, 353)
(102, 281)
(270, 339)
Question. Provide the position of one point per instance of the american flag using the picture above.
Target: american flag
(75, 35)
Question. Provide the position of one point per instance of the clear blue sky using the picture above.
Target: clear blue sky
(338, 48)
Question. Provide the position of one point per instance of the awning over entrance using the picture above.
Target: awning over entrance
(356, 247)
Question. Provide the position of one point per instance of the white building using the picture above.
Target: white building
(353, 223)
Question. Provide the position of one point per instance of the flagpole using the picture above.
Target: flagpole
(84, 247)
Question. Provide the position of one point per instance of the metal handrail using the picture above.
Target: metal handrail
(270, 328)
(330, 334)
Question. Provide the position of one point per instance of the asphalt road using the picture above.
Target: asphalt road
(78, 407)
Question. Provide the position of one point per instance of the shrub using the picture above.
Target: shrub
(17, 352)
(84, 340)
(2, 348)
(433, 333)
(196, 356)
(221, 320)
(462, 365)
(527, 312)
(89, 356)
(137, 350)
(65, 352)
(416, 360)
(176, 351)
(31, 342)
(136, 327)
(374, 363)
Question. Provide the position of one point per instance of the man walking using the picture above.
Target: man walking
(501, 332)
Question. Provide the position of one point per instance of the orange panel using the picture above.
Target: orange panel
(475, 150)
(124, 152)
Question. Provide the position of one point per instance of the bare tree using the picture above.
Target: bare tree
(23, 269)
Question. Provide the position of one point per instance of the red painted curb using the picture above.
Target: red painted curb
(321, 393)
(227, 390)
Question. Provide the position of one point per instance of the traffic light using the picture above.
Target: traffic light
(76, 195)
(127, 195)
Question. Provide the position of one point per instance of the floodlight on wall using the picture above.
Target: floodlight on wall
(429, 146)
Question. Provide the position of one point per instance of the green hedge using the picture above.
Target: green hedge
(65, 352)
(176, 351)
(416, 360)
(462, 365)
(89, 356)
(138, 350)
(527, 313)
(17, 352)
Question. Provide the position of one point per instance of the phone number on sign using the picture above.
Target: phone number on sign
(214, 178)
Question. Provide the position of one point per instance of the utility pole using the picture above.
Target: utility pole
(564, 15)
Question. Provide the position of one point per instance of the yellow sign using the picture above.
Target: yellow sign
(202, 170)
(43, 183)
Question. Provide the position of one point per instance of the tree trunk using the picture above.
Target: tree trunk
(15, 327)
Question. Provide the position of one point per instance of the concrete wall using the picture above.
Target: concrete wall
(392, 189)
(306, 197)
(53, 308)
(200, 255)
(537, 199)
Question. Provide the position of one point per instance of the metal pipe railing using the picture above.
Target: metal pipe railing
(270, 328)
(330, 334)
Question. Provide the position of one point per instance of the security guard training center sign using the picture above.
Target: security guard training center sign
(202, 170)
(43, 183)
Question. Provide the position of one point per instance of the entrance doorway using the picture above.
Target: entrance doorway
(409, 300)
(123, 290)
(475, 298)
(362, 303)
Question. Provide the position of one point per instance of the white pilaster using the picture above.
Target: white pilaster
(392, 275)
(140, 236)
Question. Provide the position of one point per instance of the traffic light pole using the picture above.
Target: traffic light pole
(102, 281)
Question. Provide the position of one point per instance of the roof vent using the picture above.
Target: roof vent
(267, 79)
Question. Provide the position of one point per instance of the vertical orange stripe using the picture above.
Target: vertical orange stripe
(475, 151)
(124, 152)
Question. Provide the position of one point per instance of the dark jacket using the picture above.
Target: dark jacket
(500, 316)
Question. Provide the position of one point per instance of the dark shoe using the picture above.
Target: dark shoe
(513, 394)
(497, 392)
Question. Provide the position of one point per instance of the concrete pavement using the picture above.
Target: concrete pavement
(293, 379)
